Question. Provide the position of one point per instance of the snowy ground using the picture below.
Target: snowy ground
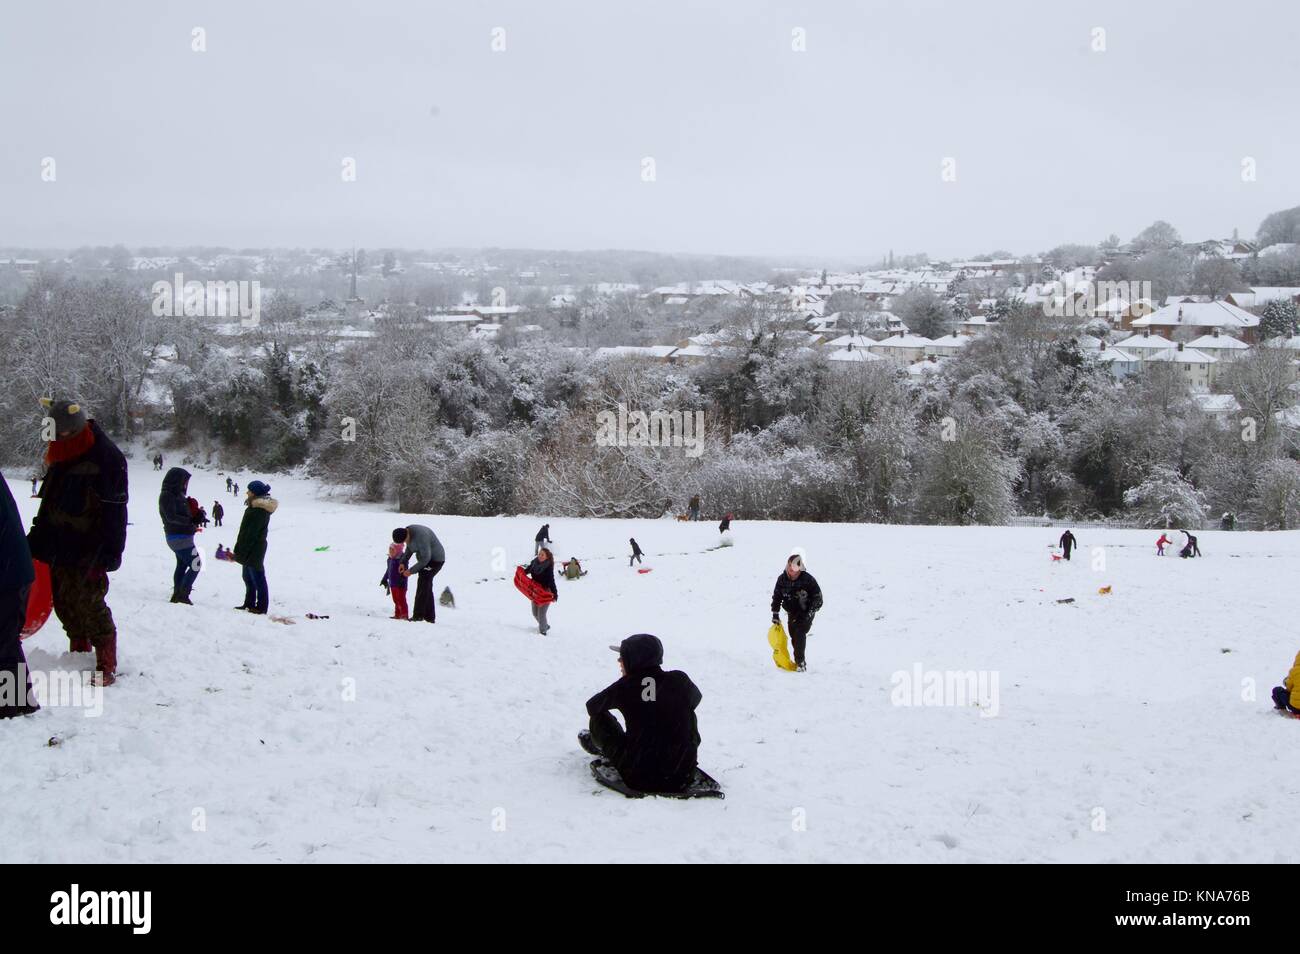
(1121, 711)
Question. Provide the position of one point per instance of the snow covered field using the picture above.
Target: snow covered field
(1120, 711)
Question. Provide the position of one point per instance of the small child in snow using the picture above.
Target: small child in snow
(395, 582)
(1287, 695)
(636, 552)
(573, 569)
(1163, 542)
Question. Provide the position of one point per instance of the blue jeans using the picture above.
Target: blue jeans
(186, 573)
(256, 595)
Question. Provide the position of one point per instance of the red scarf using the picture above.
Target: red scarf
(70, 447)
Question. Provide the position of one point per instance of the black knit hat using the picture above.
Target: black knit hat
(69, 416)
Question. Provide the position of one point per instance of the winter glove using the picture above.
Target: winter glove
(776, 619)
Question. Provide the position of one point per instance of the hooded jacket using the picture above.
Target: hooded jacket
(250, 545)
(82, 516)
(800, 597)
(543, 572)
(662, 743)
(174, 507)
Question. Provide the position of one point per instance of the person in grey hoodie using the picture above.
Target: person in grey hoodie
(429, 556)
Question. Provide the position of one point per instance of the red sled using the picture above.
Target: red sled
(531, 588)
(40, 600)
(646, 570)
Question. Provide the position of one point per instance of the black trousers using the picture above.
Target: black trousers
(424, 602)
(1282, 698)
(15, 686)
(799, 626)
(608, 736)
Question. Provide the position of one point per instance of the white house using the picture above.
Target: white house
(902, 349)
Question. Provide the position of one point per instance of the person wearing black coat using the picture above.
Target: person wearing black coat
(542, 571)
(725, 525)
(16, 576)
(797, 592)
(80, 529)
(218, 512)
(250, 546)
(1191, 548)
(543, 536)
(179, 527)
(1068, 543)
(636, 552)
(657, 752)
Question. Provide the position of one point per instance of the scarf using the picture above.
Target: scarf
(71, 447)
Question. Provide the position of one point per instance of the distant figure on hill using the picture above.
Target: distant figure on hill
(1163, 542)
(1068, 543)
(543, 536)
(636, 553)
(694, 508)
(218, 512)
(725, 525)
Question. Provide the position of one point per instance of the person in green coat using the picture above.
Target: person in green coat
(250, 546)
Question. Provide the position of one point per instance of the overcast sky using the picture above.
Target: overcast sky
(758, 149)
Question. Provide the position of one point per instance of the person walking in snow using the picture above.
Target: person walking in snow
(658, 750)
(229, 485)
(34, 480)
(542, 571)
(725, 525)
(797, 592)
(393, 580)
(235, 492)
(1068, 543)
(1287, 695)
(179, 528)
(424, 556)
(218, 512)
(693, 509)
(16, 577)
(80, 529)
(636, 552)
(250, 546)
(543, 536)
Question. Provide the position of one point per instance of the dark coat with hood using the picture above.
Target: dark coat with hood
(174, 507)
(82, 517)
(250, 545)
(799, 597)
(543, 572)
(662, 742)
(16, 569)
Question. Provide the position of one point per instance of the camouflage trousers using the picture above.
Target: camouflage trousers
(79, 594)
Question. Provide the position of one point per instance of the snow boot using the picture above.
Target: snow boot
(106, 659)
(801, 667)
(181, 596)
(79, 644)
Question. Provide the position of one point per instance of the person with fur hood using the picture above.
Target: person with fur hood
(179, 528)
(80, 529)
(250, 546)
(797, 592)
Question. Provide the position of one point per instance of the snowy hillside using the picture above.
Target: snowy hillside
(1128, 703)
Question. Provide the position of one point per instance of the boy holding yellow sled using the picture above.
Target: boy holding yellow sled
(799, 595)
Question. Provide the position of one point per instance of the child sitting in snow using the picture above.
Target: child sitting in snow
(1287, 695)
(395, 582)
(573, 569)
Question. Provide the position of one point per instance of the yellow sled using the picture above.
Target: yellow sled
(780, 649)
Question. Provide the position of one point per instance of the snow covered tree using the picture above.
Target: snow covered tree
(1165, 499)
(1278, 319)
(1275, 504)
(966, 477)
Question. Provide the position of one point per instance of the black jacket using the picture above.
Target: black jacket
(218, 511)
(173, 505)
(798, 597)
(82, 517)
(250, 544)
(16, 569)
(663, 740)
(543, 572)
(636, 550)
(544, 534)
(1068, 542)
(725, 525)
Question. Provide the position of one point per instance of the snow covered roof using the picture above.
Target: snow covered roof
(1209, 314)
(635, 351)
(1145, 343)
(926, 366)
(903, 341)
(1111, 355)
(951, 340)
(1219, 343)
(1217, 403)
(856, 356)
(1183, 356)
(857, 341)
